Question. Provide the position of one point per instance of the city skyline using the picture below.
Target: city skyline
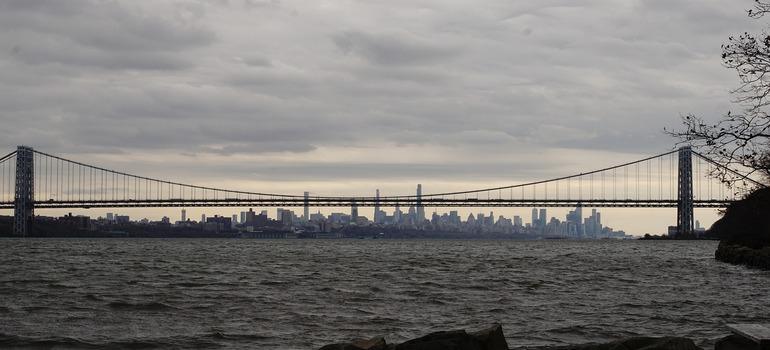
(411, 214)
(573, 226)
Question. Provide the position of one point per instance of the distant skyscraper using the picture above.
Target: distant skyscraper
(579, 220)
(110, 217)
(353, 211)
(411, 216)
(203, 217)
(534, 217)
(287, 217)
(235, 220)
(420, 208)
(471, 220)
(249, 217)
(306, 212)
(377, 207)
(543, 217)
(184, 215)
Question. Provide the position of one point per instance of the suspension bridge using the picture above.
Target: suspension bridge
(681, 179)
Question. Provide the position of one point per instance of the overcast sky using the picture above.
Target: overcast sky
(348, 96)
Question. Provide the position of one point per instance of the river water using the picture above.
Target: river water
(301, 294)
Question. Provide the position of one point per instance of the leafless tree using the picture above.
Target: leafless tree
(741, 138)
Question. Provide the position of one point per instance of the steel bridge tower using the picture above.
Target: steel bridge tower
(684, 206)
(24, 198)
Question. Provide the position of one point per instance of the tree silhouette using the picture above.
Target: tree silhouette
(741, 138)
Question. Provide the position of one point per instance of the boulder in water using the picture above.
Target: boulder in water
(445, 340)
(492, 338)
(377, 343)
(651, 343)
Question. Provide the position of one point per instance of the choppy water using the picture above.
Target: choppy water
(301, 294)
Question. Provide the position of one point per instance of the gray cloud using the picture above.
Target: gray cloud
(393, 49)
(110, 35)
(482, 84)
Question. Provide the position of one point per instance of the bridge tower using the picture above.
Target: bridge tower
(24, 198)
(684, 206)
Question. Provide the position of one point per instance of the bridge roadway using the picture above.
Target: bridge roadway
(369, 202)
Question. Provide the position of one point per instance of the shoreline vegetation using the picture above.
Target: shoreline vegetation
(744, 231)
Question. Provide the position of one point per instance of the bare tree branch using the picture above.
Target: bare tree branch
(743, 138)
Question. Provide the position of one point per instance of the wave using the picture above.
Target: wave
(274, 283)
(150, 306)
(61, 286)
(13, 341)
(92, 297)
(206, 340)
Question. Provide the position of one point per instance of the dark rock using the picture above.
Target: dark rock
(744, 231)
(735, 342)
(635, 343)
(377, 343)
(451, 340)
(492, 338)
(340, 346)
(650, 343)
(743, 255)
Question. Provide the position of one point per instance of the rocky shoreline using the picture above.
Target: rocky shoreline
(492, 338)
(744, 231)
(742, 255)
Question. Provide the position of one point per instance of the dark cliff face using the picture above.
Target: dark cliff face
(746, 222)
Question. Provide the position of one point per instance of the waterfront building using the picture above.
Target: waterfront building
(318, 217)
(122, 219)
(217, 224)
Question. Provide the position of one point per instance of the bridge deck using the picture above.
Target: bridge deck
(365, 202)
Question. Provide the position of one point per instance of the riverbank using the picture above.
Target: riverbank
(744, 231)
(742, 255)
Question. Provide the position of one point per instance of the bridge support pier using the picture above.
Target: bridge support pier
(684, 206)
(24, 197)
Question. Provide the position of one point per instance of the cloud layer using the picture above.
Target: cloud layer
(359, 90)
